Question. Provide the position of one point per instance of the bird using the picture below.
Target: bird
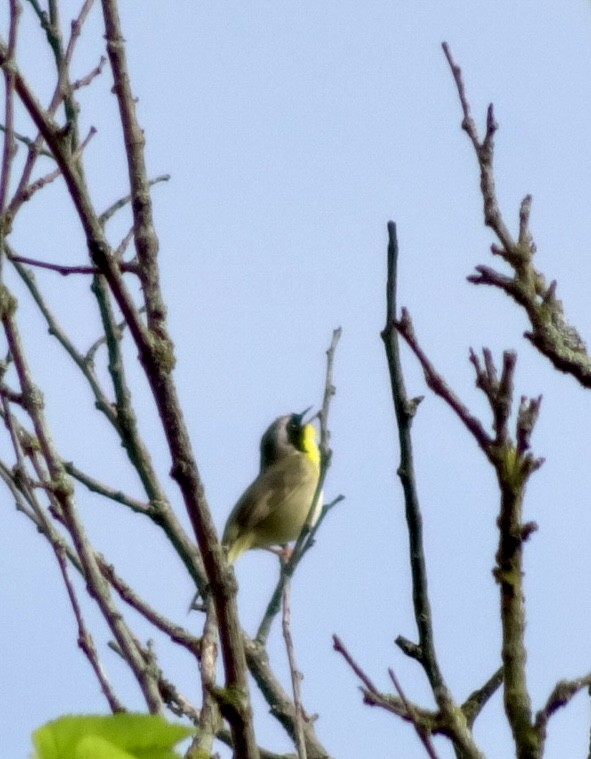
(274, 508)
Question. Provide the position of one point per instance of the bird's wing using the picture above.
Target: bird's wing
(267, 493)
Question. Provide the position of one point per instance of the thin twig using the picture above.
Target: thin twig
(475, 702)
(102, 340)
(86, 80)
(62, 92)
(75, 31)
(96, 486)
(561, 695)
(26, 141)
(126, 426)
(26, 192)
(296, 675)
(176, 633)
(280, 704)
(126, 199)
(420, 731)
(102, 401)
(85, 640)
(513, 464)
(438, 385)
(59, 268)
(340, 648)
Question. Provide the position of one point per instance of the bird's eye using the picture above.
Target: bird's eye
(293, 430)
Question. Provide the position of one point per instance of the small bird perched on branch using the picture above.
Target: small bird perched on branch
(274, 508)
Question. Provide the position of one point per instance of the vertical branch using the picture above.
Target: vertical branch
(509, 575)
(329, 392)
(405, 409)
(9, 149)
(513, 464)
(296, 675)
(156, 354)
(280, 704)
(457, 724)
(145, 238)
(209, 715)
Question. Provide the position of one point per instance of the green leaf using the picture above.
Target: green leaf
(95, 747)
(116, 736)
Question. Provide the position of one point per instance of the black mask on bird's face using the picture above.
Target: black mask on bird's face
(282, 436)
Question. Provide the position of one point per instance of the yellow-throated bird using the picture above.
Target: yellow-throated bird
(273, 509)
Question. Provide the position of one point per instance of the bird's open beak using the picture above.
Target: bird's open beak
(300, 417)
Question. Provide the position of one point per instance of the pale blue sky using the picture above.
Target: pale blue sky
(293, 132)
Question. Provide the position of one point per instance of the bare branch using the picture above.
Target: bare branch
(122, 202)
(449, 719)
(76, 28)
(405, 410)
(438, 385)
(296, 675)
(209, 719)
(86, 80)
(9, 150)
(561, 695)
(280, 704)
(550, 333)
(26, 141)
(513, 466)
(340, 648)
(85, 640)
(423, 736)
(95, 486)
(425, 722)
(476, 701)
(59, 268)
(176, 633)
